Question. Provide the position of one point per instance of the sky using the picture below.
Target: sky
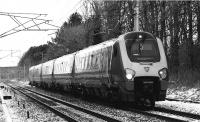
(12, 47)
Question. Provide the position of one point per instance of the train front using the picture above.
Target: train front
(144, 67)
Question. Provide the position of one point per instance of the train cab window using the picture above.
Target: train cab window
(142, 47)
(146, 48)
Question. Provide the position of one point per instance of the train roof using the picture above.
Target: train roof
(98, 46)
(63, 58)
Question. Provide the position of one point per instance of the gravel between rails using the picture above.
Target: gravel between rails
(180, 106)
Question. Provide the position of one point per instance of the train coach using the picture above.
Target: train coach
(130, 68)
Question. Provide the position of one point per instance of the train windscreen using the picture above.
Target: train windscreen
(142, 47)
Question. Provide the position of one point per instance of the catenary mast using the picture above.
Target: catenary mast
(136, 21)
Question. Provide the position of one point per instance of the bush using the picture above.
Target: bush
(189, 77)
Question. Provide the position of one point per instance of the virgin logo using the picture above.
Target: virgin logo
(146, 69)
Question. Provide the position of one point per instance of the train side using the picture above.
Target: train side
(92, 69)
(63, 72)
(47, 74)
(35, 76)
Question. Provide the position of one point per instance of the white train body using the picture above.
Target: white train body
(130, 68)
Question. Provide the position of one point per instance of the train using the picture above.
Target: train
(130, 68)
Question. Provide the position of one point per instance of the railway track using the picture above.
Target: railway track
(160, 113)
(60, 107)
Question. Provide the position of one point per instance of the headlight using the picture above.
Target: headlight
(163, 73)
(130, 74)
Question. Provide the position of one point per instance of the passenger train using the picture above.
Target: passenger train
(130, 68)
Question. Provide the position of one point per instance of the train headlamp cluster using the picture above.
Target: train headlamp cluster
(163, 73)
(130, 74)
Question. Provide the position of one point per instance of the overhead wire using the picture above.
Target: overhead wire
(23, 13)
(25, 29)
(15, 16)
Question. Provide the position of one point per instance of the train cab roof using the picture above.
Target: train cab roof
(137, 33)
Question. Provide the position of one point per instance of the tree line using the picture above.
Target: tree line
(176, 23)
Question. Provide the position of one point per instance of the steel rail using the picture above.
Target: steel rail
(180, 113)
(185, 101)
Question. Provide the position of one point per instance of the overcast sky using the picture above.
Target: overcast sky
(58, 11)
